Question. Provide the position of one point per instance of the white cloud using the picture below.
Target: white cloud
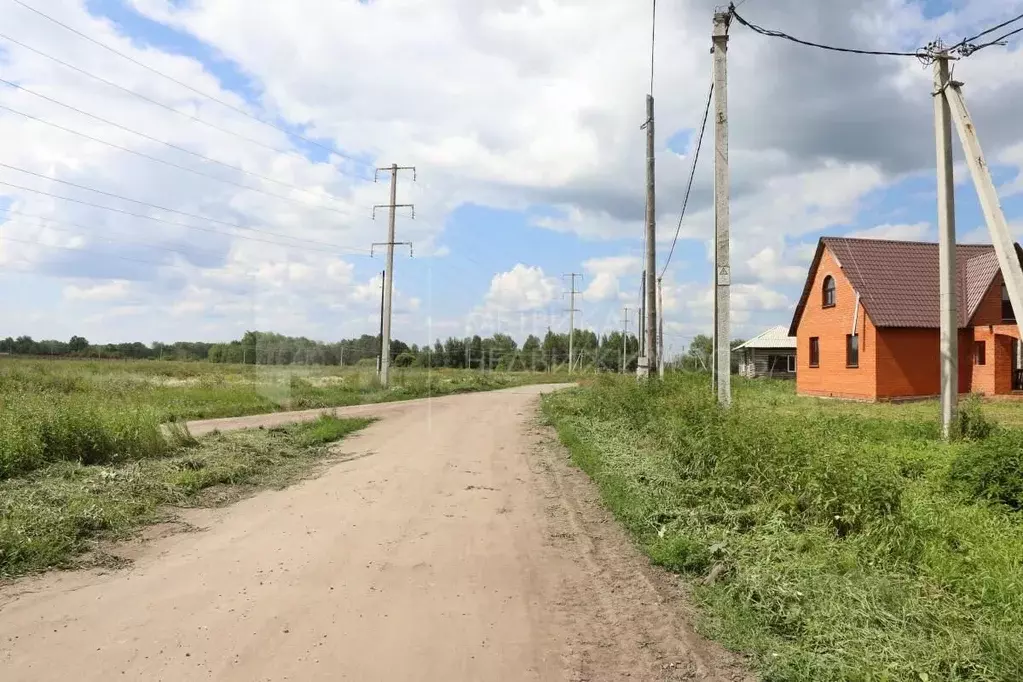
(900, 232)
(522, 288)
(109, 291)
(605, 275)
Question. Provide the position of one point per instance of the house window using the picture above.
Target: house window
(791, 365)
(981, 350)
(1008, 315)
(829, 291)
(852, 350)
(815, 351)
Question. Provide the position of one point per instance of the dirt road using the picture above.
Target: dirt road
(455, 543)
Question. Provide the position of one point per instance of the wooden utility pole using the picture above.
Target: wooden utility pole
(722, 363)
(946, 248)
(385, 333)
(648, 344)
(571, 320)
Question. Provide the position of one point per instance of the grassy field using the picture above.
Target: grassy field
(828, 540)
(97, 412)
(51, 515)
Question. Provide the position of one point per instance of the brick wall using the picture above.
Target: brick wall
(994, 377)
(832, 378)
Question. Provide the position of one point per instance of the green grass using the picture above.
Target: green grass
(53, 514)
(849, 541)
(109, 412)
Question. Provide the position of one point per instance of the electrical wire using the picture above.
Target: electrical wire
(653, 44)
(158, 207)
(331, 149)
(159, 141)
(89, 231)
(967, 41)
(175, 165)
(191, 117)
(692, 175)
(968, 49)
(780, 34)
(184, 225)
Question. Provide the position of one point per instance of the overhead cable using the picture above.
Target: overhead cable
(329, 148)
(692, 174)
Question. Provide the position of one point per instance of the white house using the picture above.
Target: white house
(770, 354)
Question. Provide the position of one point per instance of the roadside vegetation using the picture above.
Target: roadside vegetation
(828, 540)
(55, 512)
(99, 412)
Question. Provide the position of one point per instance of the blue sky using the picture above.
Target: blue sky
(524, 124)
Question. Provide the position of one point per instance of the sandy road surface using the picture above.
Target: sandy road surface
(455, 544)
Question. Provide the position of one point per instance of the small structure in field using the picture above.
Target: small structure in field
(771, 354)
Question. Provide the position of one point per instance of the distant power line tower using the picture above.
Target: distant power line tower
(571, 319)
(385, 334)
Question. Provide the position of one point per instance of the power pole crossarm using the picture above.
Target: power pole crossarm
(385, 342)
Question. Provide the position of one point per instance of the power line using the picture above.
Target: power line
(967, 49)
(968, 41)
(780, 34)
(184, 225)
(172, 164)
(161, 208)
(159, 141)
(169, 108)
(89, 231)
(331, 149)
(653, 43)
(692, 174)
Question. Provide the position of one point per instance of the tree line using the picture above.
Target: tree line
(496, 352)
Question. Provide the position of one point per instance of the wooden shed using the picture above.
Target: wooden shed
(770, 354)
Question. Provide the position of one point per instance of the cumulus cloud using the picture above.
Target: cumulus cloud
(522, 288)
(899, 232)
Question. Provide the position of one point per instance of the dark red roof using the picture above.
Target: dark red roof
(898, 281)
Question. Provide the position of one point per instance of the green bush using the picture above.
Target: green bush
(970, 422)
(992, 469)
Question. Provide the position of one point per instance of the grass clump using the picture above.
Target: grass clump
(847, 542)
(54, 513)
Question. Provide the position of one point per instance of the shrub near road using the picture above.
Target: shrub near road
(830, 541)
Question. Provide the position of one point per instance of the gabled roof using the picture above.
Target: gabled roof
(898, 281)
(775, 337)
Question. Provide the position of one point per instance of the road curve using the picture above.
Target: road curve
(453, 542)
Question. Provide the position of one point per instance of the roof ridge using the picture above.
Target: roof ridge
(902, 241)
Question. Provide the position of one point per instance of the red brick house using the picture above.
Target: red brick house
(867, 324)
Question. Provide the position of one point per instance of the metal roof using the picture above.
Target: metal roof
(898, 281)
(775, 337)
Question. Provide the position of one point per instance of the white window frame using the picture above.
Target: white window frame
(791, 364)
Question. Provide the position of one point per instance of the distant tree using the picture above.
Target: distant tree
(406, 359)
(78, 344)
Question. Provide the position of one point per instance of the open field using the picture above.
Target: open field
(829, 540)
(97, 412)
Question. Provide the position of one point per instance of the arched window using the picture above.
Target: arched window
(829, 291)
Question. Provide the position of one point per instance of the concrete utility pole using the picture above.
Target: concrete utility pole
(571, 320)
(722, 256)
(648, 346)
(380, 352)
(946, 249)
(660, 329)
(641, 323)
(385, 334)
(625, 339)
